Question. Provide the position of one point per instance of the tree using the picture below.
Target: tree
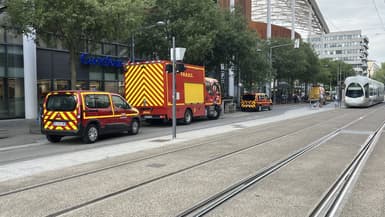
(75, 22)
(380, 74)
(334, 71)
(212, 36)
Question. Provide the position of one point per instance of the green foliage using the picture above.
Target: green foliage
(291, 63)
(211, 35)
(73, 22)
(333, 70)
(380, 74)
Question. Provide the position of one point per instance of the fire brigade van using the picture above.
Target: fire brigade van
(255, 102)
(87, 114)
(148, 87)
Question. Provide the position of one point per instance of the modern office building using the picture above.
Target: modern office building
(348, 46)
(29, 70)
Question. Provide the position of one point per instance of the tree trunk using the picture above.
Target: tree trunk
(73, 69)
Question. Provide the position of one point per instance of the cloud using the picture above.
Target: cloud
(358, 15)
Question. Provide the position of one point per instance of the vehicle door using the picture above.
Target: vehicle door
(122, 111)
(98, 106)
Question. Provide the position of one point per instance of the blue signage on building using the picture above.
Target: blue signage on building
(101, 61)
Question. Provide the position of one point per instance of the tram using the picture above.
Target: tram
(361, 91)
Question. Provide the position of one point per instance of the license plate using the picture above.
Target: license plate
(147, 116)
(59, 123)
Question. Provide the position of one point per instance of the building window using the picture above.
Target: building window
(15, 97)
(2, 32)
(109, 49)
(61, 85)
(95, 85)
(15, 61)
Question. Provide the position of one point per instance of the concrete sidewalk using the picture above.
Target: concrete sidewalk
(27, 131)
(20, 132)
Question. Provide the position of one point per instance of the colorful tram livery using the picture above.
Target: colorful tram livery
(148, 87)
(361, 91)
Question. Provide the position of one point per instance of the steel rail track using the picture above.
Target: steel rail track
(207, 205)
(156, 178)
(124, 190)
(332, 200)
(125, 163)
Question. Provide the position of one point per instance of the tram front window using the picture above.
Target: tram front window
(354, 90)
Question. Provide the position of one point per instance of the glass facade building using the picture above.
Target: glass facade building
(99, 68)
(11, 75)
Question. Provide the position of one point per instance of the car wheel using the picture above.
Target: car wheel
(259, 108)
(135, 126)
(216, 114)
(187, 118)
(269, 107)
(53, 138)
(91, 134)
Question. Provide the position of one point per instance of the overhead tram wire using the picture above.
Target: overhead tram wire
(378, 14)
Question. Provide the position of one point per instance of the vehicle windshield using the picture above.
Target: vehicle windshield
(248, 97)
(61, 102)
(354, 90)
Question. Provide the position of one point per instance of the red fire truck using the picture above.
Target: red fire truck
(148, 87)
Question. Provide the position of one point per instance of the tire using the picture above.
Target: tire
(269, 107)
(187, 118)
(53, 138)
(134, 128)
(217, 113)
(259, 108)
(91, 134)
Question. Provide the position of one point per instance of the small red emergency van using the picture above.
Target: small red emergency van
(87, 114)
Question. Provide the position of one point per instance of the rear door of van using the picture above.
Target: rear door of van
(60, 112)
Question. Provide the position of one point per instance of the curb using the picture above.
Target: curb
(3, 133)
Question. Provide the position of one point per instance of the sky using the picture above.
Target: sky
(365, 15)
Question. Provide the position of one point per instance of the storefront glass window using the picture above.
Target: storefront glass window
(43, 87)
(3, 103)
(61, 85)
(82, 85)
(2, 35)
(15, 61)
(108, 76)
(96, 73)
(95, 85)
(2, 61)
(111, 86)
(15, 97)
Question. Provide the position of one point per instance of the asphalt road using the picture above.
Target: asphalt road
(13, 152)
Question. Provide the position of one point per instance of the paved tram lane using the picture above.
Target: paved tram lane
(368, 195)
(72, 192)
(192, 176)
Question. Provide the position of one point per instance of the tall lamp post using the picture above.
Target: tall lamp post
(159, 23)
(296, 45)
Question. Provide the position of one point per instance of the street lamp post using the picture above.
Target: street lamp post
(173, 89)
(296, 45)
(159, 23)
